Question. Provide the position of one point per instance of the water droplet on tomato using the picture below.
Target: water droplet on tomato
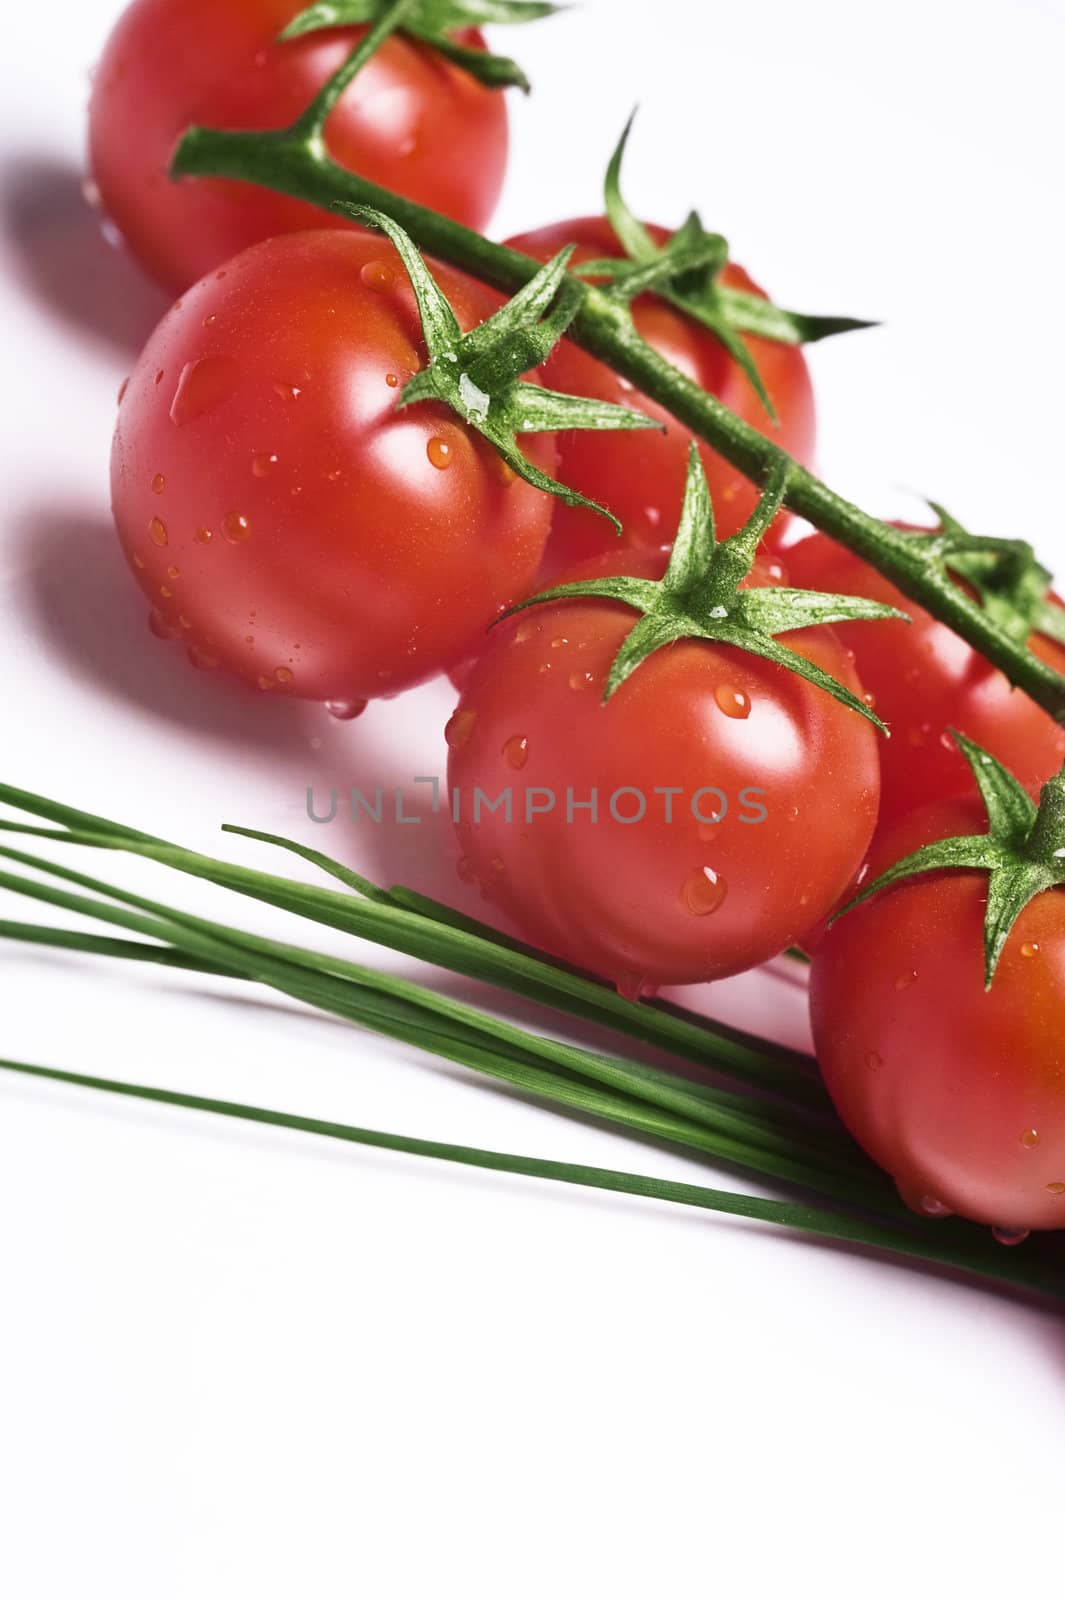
(874, 1060)
(264, 681)
(122, 390)
(203, 386)
(1010, 1236)
(138, 562)
(653, 515)
(870, 700)
(283, 674)
(527, 630)
(704, 892)
(1029, 950)
(439, 453)
(378, 275)
(792, 813)
(904, 980)
(1056, 1188)
(630, 985)
(166, 592)
(392, 379)
(1030, 1138)
(183, 621)
(160, 626)
(157, 531)
(158, 483)
(557, 644)
(466, 870)
(159, 376)
(346, 710)
(288, 391)
(210, 320)
(581, 680)
(203, 536)
(235, 528)
(931, 1207)
(516, 751)
(173, 572)
(733, 702)
(202, 658)
(459, 729)
(263, 464)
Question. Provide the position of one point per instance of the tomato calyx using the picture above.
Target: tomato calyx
(685, 272)
(1023, 850)
(700, 595)
(478, 374)
(431, 22)
(1011, 584)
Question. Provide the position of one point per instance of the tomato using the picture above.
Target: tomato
(774, 797)
(411, 121)
(279, 514)
(641, 476)
(958, 1093)
(924, 680)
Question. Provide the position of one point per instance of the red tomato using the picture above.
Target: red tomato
(411, 121)
(775, 796)
(924, 680)
(959, 1094)
(280, 515)
(641, 476)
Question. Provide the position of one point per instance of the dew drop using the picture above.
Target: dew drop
(392, 379)
(556, 644)
(346, 710)
(516, 751)
(870, 701)
(158, 483)
(1029, 950)
(581, 680)
(173, 572)
(160, 626)
(1010, 1236)
(209, 321)
(378, 275)
(439, 452)
(157, 531)
(931, 1207)
(466, 870)
(122, 390)
(166, 592)
(288, 391)
(220, 275)
(263, 464)
(264, 681)
(184, 622)
(1056, 1188)
(904, 980)
(733, 702)
(874, 1060)
(704, 892)
(653, 515)
(203, 535)
(527, 630)
(202, 658)
(235, 528)
(138, 562)
(159, 376)
(203, 386)
(792, 813)
(460, 728)
(283, 674)
(1030, 1138)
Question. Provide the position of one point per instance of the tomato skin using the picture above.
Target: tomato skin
(641, 476)
(411, 122)
(945, 1085)
(925, 680)
(658, 902)
(291, 522)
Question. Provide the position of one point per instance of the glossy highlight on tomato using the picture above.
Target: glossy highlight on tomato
(775, 792)
(958, 1093)
(641, 476)
(283, 519)
(411, 121)
(924, 680)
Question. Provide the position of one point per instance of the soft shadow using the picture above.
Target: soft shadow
(62, 258)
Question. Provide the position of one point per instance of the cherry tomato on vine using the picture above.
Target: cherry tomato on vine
(641, 477)
(958, 1093)
(280, 515)
(411, 121)
(924, 680)
(774, 798)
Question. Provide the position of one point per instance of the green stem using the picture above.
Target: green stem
(295, 162)
(1023, 1270)
(311, 126)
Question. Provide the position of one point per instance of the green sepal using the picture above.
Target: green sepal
(477, 374)
(1011, 583)
(1023, 850)
(685, 272)
(699, 596)
(432, 22)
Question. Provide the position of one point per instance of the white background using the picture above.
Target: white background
(234, 1363)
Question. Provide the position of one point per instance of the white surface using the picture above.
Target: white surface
(234, 1363)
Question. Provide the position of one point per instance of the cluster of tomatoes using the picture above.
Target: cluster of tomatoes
(288, 523)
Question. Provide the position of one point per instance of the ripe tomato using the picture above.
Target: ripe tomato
(959, 1094)
(279, 514)
(411, 121)
(641, 477)
(774, 792)
(924, 679)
